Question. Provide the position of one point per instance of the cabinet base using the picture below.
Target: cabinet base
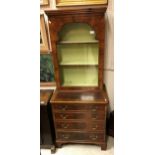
(59, 145)
(102, 145)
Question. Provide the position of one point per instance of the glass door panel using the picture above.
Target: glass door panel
(78, 52)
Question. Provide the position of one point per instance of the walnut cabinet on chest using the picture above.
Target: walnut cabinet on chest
(79, 104)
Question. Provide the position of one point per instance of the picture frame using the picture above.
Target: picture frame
(44, 2)
(61, 3)
(44, 46)
(46, 71)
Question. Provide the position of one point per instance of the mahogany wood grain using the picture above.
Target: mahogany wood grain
(73, 114)
(80, 96)
(79, 112)
(45, 96)
(93, 17)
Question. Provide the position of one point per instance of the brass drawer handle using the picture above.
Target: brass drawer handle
(65, 126)
(94, 109)
(65, 136)
(94, 137)
(95, 127)
(95, 117)
(63, 116)
(64, 108)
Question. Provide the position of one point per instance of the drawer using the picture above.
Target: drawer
(65, 116)
(64, 107)
(90, 126)
(76, 136)
(71, 126)
(92, 107)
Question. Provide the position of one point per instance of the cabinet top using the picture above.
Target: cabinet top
(76, 11)
(80, 96)
(45, 96)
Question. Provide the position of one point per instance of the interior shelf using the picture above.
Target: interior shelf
(77, 64)
(79, 84)
(78, 42)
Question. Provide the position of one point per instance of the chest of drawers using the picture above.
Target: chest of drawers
(80, 117)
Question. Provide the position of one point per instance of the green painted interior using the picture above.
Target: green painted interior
(79, 76)
(46, 68)
(78, 53)
(77, 32)
(78, 46)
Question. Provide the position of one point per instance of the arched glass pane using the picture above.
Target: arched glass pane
(77, 32)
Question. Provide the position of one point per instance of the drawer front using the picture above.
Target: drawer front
(90, 126)
(76, 136)
(71, 126)
(92, 107)
(65, 116)
(64, 107)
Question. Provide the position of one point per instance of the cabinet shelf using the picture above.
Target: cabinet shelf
(78, 64)
(78, 42)
(79, 84)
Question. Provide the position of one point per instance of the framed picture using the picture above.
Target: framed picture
(46, 70)
(79, 2)
(44, 46)
(44, 2)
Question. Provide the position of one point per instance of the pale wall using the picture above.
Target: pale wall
(109, 53)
